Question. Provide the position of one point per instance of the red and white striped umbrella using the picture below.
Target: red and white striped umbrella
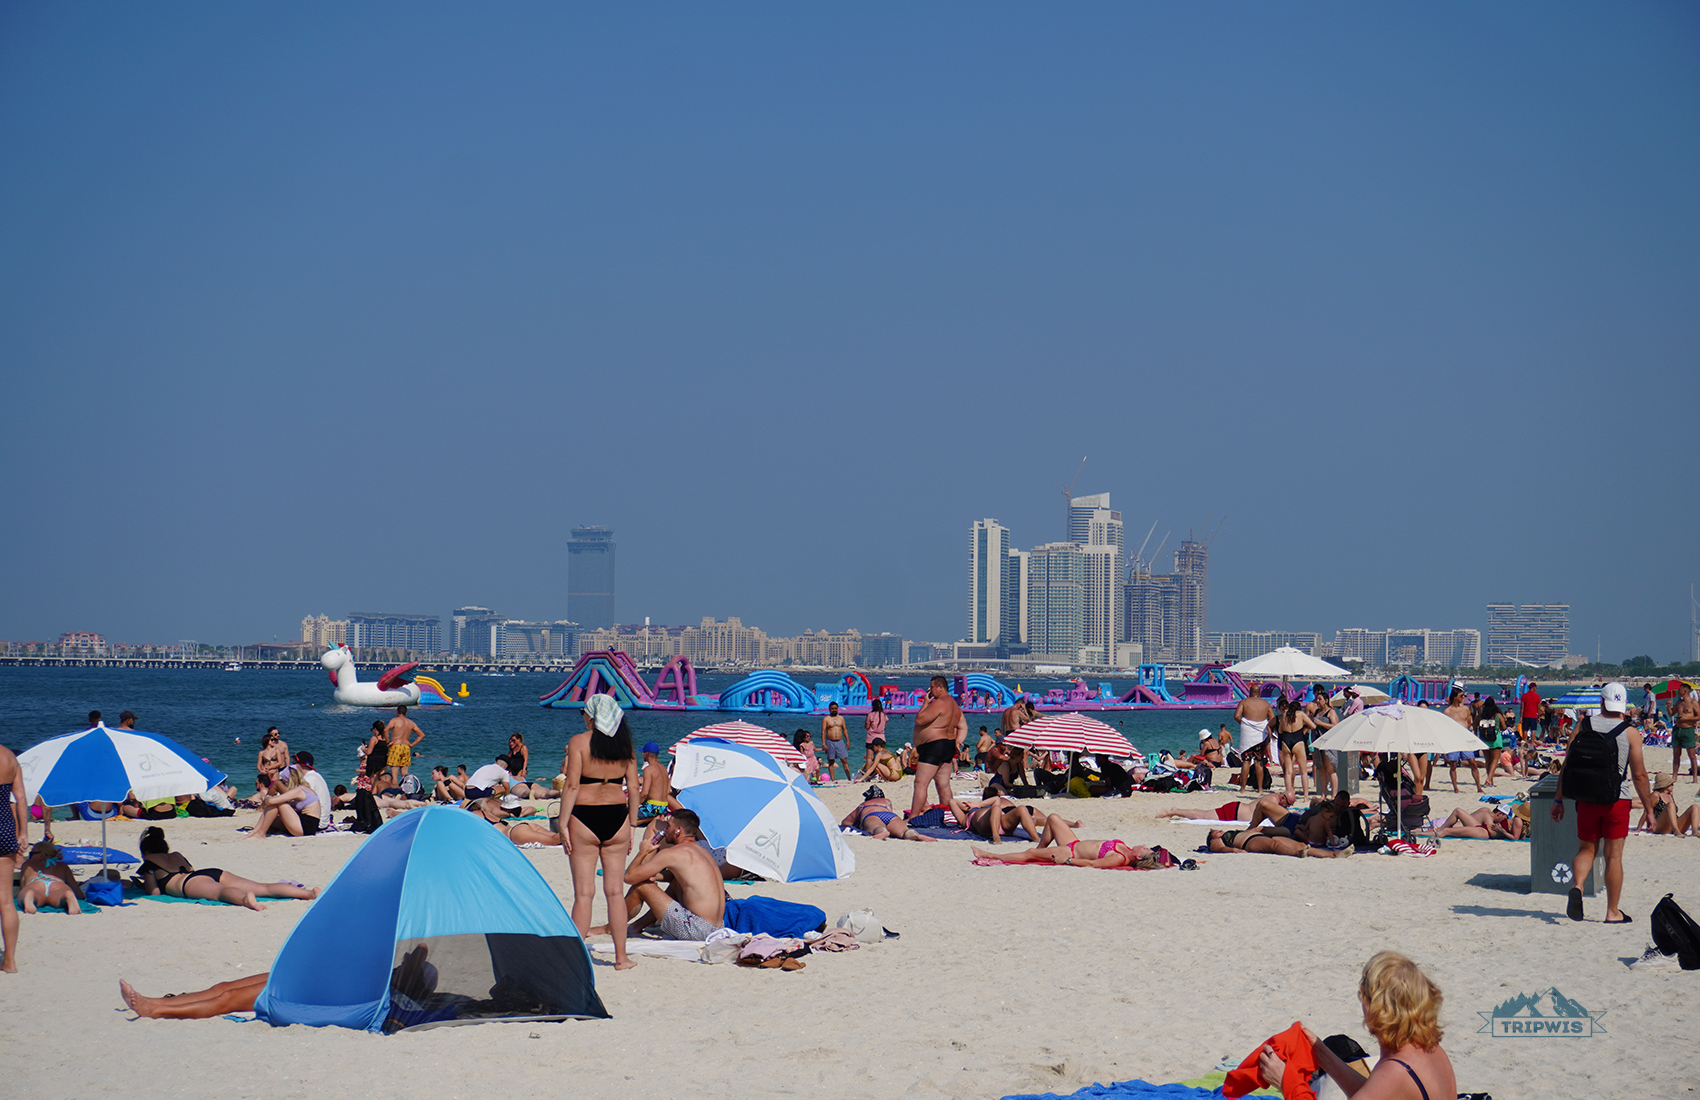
(754, 736)
(1072, 733)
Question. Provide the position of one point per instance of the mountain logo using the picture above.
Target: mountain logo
(1548, 1014)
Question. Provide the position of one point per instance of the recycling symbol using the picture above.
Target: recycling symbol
(1561, 873)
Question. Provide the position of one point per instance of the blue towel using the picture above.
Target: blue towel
(82, 907)
(91, 854)
(785, 919)
(1124, 1089)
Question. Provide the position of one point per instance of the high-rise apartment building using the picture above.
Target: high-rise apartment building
(1152, 613)
(1527, 634)
(323, 632)
(1097, 530)
(1015, 600)
(879, 650)
(988, 580)
(376, 630)
(1243, 645)
(1056, 600)
(476, 631)
(590, 577)
(1192, 570)
(1419, 646)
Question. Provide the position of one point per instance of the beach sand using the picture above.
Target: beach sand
(1006, 979)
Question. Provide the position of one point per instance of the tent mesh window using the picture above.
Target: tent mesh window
(489, 977)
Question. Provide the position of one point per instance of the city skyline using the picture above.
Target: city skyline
(276, 324)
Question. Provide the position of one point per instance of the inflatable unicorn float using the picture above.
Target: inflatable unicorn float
(392, 689)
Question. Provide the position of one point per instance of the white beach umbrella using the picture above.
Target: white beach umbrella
(1289, 664)
(1370, 695)
(1396, 728)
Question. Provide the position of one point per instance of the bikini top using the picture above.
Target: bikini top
(593, 779)
(1414, 1077)
(161, 875)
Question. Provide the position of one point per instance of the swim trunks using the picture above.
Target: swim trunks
(1228, 811)
(937, 752)
(1252, 734)
(679, 923)
(1682, 737)
(401, 755)
(838, 750)
(1595, 821)
(651, 809)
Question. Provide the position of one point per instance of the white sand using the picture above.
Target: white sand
(1007, 979)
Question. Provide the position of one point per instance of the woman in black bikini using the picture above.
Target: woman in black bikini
(1267, 842)
(165, 872)
(597, 817)
(1402, 1010)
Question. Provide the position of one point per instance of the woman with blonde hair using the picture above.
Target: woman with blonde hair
(1402, 1010)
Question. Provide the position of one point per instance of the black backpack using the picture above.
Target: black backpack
(1590, 771)
(367, 819)
(1675, 933)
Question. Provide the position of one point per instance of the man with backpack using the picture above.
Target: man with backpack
(1603, 770)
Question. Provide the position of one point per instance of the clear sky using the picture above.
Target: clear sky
(322, 307)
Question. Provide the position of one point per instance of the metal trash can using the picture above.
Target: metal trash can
(1552, 845)
(1346, 771)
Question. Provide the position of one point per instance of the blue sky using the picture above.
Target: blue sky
(364, 306)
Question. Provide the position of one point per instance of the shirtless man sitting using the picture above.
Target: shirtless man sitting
(939, 728)
(879, 819)
(1253, 714)
(693, 903)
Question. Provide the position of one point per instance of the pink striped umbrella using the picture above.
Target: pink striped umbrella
(1072, 733)
(754, 736)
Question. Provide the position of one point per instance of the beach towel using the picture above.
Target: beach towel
(1123, 1089)
(771, 916)
(690, 950)
(1294, 1049)
(942, 833)
(82, 907)
(1213, 822)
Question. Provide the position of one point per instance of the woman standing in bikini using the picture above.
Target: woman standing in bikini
(1292, 727)
(597, 816)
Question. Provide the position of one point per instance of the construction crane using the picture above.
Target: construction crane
(1138, 558)
(1068, 496)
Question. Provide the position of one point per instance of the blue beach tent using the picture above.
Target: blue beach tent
(437, 919)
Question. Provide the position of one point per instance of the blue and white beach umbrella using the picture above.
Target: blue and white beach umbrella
(762, 812)
(1579, 699)
(102, 765)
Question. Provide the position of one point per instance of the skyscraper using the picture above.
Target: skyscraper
(590, 577)
(1056, 600)
(1152, 612)
(378, 630)
(1097, 530)
(988, 580)
(476, 631)
(1192, 573)
(1530, 634)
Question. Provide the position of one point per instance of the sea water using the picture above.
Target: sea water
(223, 715)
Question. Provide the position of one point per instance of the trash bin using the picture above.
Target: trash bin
(1552, 845)
(1346, 771)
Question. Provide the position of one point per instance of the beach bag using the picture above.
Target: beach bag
(1675, 933)
(1590, 770)
(367, 819)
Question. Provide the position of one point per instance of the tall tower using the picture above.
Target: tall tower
(590, 577)
(1192, 573)
(988, 581)
(1056, 600)
(1097, 530)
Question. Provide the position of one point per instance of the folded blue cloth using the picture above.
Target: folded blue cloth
(784, 919)
(1124, 1089)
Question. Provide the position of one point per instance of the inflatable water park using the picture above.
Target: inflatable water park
(769, 691)
(394, 688)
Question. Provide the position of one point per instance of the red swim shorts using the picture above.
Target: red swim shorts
(1228, 811)
(1597, 822)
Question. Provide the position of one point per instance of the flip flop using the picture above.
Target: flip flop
(1574, 909)
(1627, 919)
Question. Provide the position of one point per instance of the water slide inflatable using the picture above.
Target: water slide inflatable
(433, 694)
(393, 688)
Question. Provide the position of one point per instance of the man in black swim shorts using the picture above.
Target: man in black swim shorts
(939, 726)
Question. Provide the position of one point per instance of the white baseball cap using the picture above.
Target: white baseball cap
(1614, 698)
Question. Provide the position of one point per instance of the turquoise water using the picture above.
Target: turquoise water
(210, 711)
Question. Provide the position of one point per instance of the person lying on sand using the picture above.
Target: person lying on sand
(497, 811)
(166, 872)
(1063, 847)
(878, 818)
(993, 817)
(1314, 825)
(1269, 807)
(1486, 823)
(1266, 841)
(413, 977)
(47, 881)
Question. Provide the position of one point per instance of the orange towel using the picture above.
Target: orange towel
(1294, 1049)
